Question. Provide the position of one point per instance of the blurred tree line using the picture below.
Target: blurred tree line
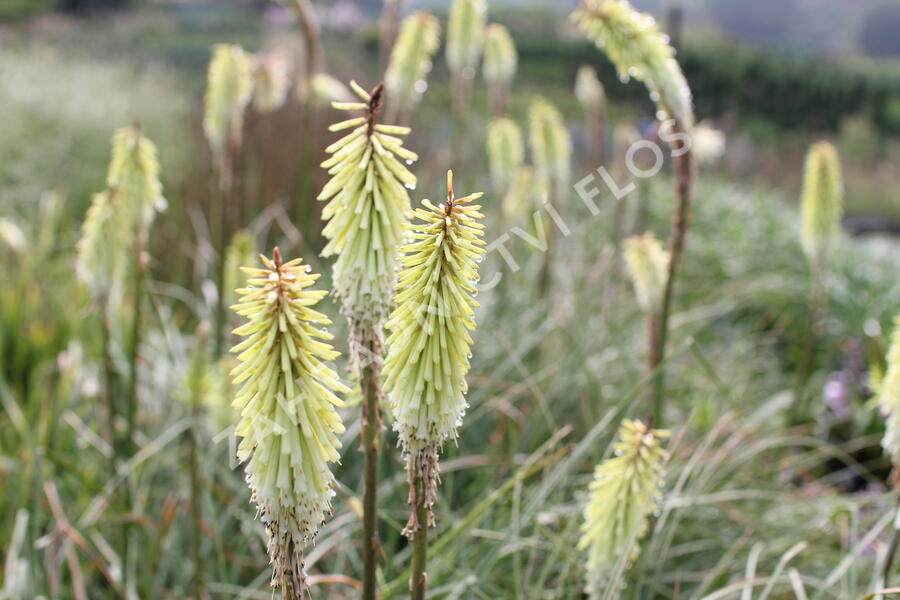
(791, 91)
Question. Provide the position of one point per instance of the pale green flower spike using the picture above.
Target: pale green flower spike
(134, 174)
(506, 152)
(551, 146)
(625, 491)
(228, 90)
(125, 209)
(519, 200)
(367, 202)
(286, 402)
(889, 397)
(465, 36)
(647, 262)
(241, 251)
(638, 49)
(588, 89)
(500, 56)
(429, 341)
(105, 228)
(418, 40)
(270, 83)
(323, 90)
(822, 199)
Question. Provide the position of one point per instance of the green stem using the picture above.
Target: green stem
(817, 306)
(131, 398)
(371, 429)
(218, 219)
(683, 179)
(419, 579)
(196, 499)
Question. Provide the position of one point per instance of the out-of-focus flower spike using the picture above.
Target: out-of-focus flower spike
(228, 90)
(624, 493)
(404, 80)
(822, 199)
(270, 82)
(551, 146)
(638, 49)
(646, 262)
(506, 152)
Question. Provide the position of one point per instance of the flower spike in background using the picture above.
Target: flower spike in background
(821, 204)
(286, 402)
(638, 49)
(626, 489)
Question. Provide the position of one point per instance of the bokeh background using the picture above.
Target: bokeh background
(553, 370)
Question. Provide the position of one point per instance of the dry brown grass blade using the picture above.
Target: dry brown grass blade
(73, 534)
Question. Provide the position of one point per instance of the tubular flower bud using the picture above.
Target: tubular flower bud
(506, 151)
(419, 38)
(551, 146)
(647, 262)
(465, 36)
(889, 397)
(625, 491)
(637, 47)
(821, 203)
(500, 56)
(286, 401)
(429, 341)
(228, 90)
(367, 202)
(270, 83)
(588, 89)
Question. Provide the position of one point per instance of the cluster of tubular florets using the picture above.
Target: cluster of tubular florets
(638, 49)
(429, 341)
(368, 199)
(287, 404)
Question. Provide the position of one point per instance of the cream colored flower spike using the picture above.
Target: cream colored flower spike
(646, 262)
(429, 344)
(368, 197)
(625, 491)
(822, 201)
(637, 47)
(287, 399)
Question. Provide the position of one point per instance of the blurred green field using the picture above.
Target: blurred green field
(754, 503)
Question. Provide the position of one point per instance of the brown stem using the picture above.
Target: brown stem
(309, 25)
(683, 177)
(390, 18)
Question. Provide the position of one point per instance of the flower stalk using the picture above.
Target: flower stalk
(634, 43)
(228, 91)
(821, 207)
(367, 199)
(465, 42)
